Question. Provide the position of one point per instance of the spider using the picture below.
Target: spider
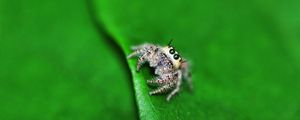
(170, 68)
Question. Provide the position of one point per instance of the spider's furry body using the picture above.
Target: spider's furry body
(170, 68)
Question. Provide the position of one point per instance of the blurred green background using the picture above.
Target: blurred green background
(65, 59)
(56, 65)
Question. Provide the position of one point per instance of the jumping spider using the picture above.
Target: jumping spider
(169, 67)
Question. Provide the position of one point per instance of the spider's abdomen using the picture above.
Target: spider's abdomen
(164, 65)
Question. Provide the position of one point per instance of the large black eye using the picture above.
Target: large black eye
(176, 56)
(171, 51)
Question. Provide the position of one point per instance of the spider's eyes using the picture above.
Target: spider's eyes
(171, 51)
(176, 56)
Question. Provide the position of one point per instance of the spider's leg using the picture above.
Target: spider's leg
(141, 61)
(161, 80)
(133, 54)
(158, 81)
(136, 47)
(163, 89)
(190, 84)
(186, 74)
(176, 90)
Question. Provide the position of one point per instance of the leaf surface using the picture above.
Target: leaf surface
(244, 55)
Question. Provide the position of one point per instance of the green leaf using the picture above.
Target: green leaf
(244, 55)
(56, 64)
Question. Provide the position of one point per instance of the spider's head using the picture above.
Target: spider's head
(173, 55)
